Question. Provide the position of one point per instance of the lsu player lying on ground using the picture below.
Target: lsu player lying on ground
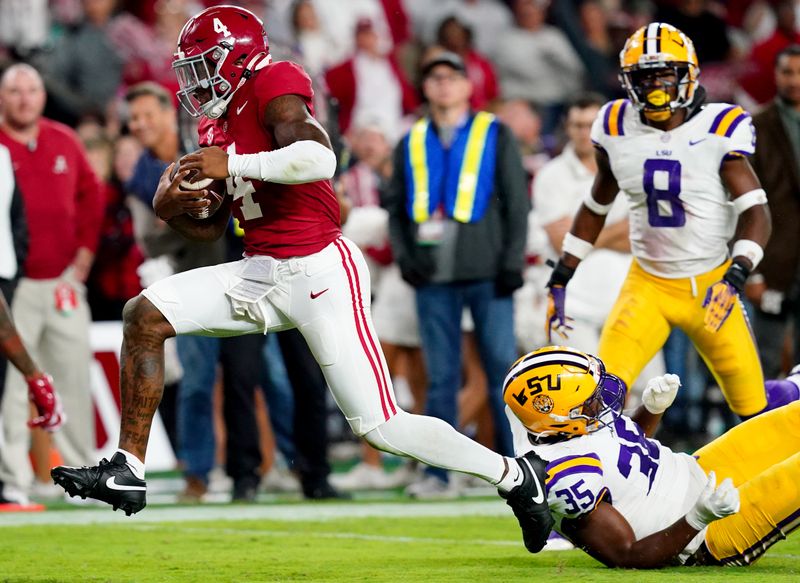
(631, 502)
(682, 164)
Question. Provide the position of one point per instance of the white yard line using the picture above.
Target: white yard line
(283, 512)
(332, 535)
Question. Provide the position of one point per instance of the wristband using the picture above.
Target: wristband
(736, 275)
(576, 246)
(561, 274)
(749, 199)
(748, 249)
(594, 206)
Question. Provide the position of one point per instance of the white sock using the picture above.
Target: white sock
(512, 478)
(434, 442)
(134, 463)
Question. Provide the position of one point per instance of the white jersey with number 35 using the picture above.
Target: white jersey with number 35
(681, 217)
(646, 482)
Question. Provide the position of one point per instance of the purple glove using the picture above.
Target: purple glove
(557, 320)
(719, 301)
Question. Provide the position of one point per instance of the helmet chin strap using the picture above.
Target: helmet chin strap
(221, 105)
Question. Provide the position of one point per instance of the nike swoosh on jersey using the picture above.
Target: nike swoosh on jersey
(314, 296)
(695, 142)
(539, 498)
(112, 484)
(241, 107)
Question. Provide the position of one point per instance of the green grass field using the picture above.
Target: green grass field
(389, 542)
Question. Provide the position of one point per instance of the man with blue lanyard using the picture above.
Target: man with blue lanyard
(458, 207)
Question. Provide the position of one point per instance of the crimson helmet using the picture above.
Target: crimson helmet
(217, 52)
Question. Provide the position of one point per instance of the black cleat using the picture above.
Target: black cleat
(109, 481)
(529, 502)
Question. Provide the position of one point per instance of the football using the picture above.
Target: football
(216, 190)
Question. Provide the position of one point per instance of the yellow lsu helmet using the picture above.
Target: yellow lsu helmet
(658, 46)
(562, 392)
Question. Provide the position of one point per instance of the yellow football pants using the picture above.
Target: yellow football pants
(648, 307)
(762, 457)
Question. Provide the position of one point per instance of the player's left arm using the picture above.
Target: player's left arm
(607, 536)
(753, 229)
(304, 151)
(658, 395)
(750, 201)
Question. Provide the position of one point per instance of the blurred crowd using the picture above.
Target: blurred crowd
(543, 67)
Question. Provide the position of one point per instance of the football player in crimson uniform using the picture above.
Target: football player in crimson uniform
(298, 271)
(628, 500)
(682, 165)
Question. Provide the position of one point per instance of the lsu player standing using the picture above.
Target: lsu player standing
(682, 164)
(631, 502)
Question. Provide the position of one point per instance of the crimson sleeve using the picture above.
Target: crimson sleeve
(283, 78)
(90, 202)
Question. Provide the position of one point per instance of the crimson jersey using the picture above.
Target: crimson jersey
(63, 198)
(279, 220)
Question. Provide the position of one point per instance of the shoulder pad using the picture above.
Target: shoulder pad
(574, 484)
(727, 120)
(614, 117)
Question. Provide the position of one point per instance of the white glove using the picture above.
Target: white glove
(713, 504)
(660, 393)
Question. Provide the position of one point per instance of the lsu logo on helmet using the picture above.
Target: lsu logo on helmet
(659, 46)
(560, 391)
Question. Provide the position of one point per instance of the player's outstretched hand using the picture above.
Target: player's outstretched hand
(714, 503)
(48, 404)
(660, 393)
(556, 319)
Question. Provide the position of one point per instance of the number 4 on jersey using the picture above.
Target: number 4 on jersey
(242, 188)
